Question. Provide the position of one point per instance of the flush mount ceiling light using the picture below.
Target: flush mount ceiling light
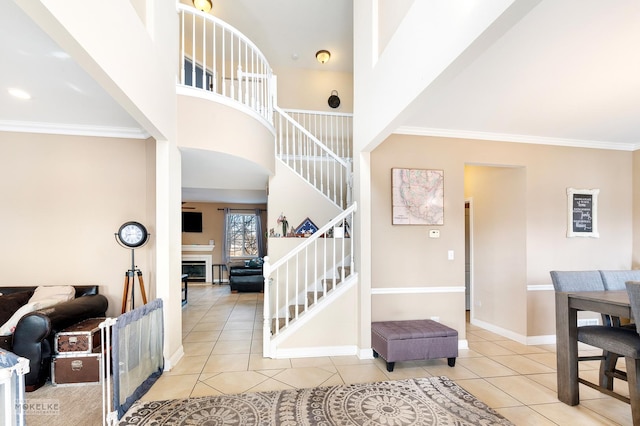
(203, 5)
(323, 56)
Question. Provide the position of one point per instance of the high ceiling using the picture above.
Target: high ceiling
(566, 73)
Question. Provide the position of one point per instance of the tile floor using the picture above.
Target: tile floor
(222, 338)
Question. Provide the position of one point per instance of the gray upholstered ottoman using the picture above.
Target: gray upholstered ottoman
(413, 340)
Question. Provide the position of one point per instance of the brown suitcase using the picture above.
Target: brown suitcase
(83, 337)
(75, 369)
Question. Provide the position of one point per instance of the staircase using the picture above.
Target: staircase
(225, 66)
(313, 297)
(308, 278)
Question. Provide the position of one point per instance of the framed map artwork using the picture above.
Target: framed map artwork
(417, 197)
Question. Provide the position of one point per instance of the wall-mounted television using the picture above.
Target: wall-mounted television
(191, 222)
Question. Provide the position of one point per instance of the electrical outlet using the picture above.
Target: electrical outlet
(436, 319)
(450, 255)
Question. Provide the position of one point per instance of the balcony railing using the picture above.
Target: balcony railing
(216, 57)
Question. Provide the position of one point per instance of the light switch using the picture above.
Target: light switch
(434, 233)
(450, 255)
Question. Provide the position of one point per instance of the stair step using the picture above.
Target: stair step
(281, 323)
(347, 271)
(330, 282)
(311, 297)
(292, 310)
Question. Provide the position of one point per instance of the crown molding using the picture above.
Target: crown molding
(73, 129)
(506, 137)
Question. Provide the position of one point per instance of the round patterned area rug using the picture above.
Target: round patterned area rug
(412, 402)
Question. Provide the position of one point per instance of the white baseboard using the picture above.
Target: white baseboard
(365, 353)
(520, 338)
(173, 360)
(317, 352)
(549, 339)
(463, 344)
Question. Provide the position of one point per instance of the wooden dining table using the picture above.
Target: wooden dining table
(615, 303)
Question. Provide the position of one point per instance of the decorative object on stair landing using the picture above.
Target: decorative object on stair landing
(334, 100)
(282, 220)
(341, 230)
(306, 228)
(323, 56)
(417, 197)
(427, 401)
(203, 5)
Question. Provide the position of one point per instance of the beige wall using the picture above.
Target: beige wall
(403, 256)
(310, 90)
(213, 224)
(63, 198)
(140, 75)
(498, 220)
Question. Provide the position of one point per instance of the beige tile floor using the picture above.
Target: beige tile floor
(222, 338)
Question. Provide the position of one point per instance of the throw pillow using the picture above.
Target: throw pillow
(10, 303)
(9, 326)
(62, 293)
(256, 263)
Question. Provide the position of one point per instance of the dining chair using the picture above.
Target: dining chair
(625, 342)
(615, 280)
(577, 281)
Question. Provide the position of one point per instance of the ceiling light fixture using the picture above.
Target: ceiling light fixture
(203, 5)
(18, 93)
(323, 56)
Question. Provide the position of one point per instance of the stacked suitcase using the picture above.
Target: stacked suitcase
(78, 354)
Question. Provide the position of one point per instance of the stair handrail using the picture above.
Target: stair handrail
(312, 137)
(308, 241)
(334, 129)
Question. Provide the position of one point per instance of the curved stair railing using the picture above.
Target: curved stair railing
(300, 279)
(216, 57)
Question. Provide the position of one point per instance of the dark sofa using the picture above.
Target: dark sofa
(34, 333)
(246, 277)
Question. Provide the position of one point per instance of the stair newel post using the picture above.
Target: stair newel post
(266, 326)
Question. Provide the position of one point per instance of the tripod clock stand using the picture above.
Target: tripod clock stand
(132, 235)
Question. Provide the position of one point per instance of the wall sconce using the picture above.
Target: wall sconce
(203, 5)
(323, 56)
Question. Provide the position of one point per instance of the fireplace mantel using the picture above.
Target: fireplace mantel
(197, 247)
